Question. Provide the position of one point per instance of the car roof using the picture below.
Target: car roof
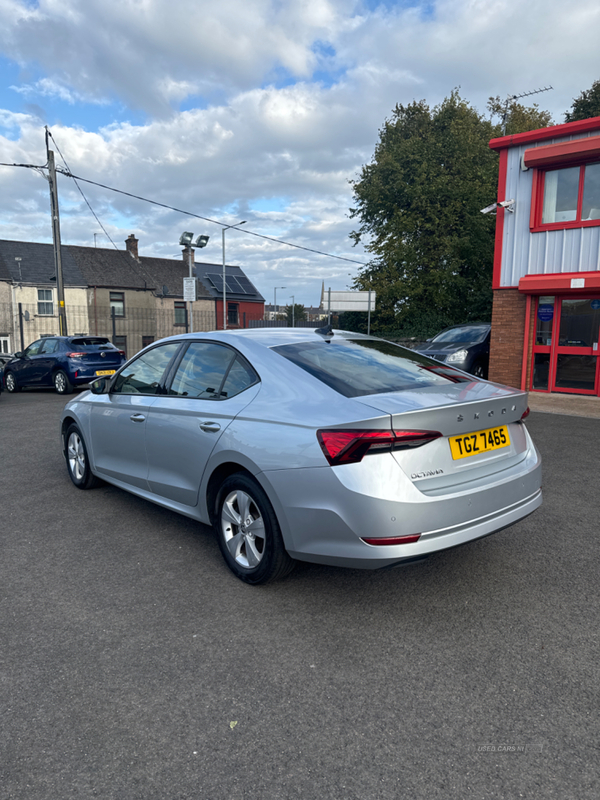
(272, 337)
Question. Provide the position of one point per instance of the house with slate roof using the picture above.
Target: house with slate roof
(28, 282)
(129, 298)
(244, 301)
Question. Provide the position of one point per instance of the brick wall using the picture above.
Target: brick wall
(508, 334)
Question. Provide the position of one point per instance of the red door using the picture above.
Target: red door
(574, 366)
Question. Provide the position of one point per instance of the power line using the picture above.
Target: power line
(208, 219)
(81, 192)
(68, 174)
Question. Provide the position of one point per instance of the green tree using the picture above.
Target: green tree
(299, 313)
(418, 204)
(586, 105)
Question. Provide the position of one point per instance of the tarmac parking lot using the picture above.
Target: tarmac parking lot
(134, 666)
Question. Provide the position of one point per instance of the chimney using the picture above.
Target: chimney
(131, 243)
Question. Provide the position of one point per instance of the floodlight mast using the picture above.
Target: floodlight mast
(185, 240)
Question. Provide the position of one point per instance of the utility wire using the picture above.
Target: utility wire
(81, 192)
(208, 219)
(68, 174)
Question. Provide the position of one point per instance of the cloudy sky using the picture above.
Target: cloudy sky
(257, 110)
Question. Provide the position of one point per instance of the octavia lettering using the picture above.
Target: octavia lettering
(471, 444)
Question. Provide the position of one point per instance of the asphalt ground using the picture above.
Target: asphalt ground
(134, 665)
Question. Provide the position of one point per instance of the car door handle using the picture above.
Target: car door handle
(137, 417)
(210, 427)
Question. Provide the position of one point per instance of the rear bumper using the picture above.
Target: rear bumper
(323, 520)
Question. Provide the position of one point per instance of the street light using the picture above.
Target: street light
(275, 298)
(293, 311)
(226, 228)
(185, 240)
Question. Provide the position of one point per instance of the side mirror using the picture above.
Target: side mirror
(19, 354)
(100, 385)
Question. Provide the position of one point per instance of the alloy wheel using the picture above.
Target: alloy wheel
(60, 383)
(243, 529)
(76, 456)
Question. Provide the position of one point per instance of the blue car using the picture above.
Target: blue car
(63, 362)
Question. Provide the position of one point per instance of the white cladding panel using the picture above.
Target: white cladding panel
(526, 253)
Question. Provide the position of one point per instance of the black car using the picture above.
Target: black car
(465, 347)
(63, 362)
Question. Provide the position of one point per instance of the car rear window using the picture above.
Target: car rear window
(94, 342)
(358, 367)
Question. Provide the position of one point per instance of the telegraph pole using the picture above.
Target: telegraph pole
(60, 287)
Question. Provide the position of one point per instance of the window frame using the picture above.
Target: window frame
(537, 198)
(180, 305)
(112, 300)
(45, 302)
(233, 307)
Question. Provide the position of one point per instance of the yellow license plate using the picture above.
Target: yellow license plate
(471, 444)
(105, 371)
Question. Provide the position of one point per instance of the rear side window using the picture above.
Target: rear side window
(358, 367)
(144, 374)
(49, 346)
(211, 371)
(202, 371)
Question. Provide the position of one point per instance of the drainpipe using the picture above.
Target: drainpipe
(95, 312)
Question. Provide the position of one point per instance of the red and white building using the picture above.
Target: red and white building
(546, 315)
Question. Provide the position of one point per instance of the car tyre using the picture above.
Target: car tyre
(248, 532)
(78, 464)
(62, 384)
(11, 383)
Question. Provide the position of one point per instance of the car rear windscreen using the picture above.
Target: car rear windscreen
(358, 367)
(92, 341)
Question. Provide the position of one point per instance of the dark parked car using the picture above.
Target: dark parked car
(465, 347)
(63, 362)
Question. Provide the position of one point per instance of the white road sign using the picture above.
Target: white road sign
(189, 290)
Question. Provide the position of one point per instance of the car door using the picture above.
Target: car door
(211, 385)
(26, 368)
(46, 361)
(118, 419)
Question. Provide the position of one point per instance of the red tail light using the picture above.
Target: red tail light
(75, 355)
(525, 414)
(350, 446)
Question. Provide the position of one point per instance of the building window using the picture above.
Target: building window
(232, 314)
(146, 340)
(180, 313)
(45, 304)
(117, 304)
(567, 197)
(121, 343)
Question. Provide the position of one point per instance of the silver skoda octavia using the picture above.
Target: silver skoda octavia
(330, 447)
